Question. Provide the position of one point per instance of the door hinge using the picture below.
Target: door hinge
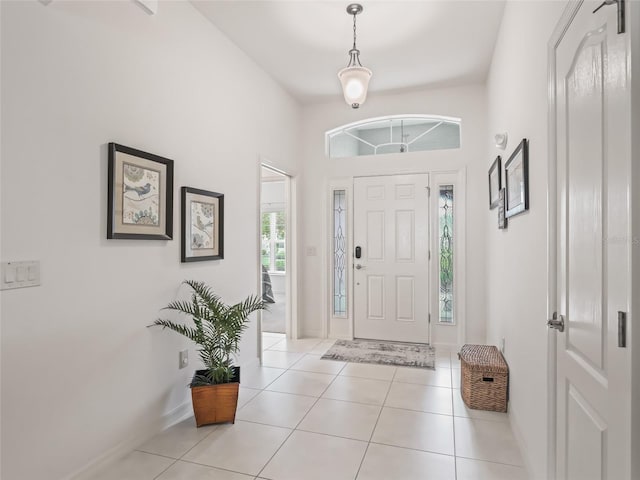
(620, 5)
(622, 329)
(429, 319)
(429, 255)
(428, 191)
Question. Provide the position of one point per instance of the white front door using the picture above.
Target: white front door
(593, 247)
(391, 229)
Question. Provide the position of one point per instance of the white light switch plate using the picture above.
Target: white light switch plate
(19, 275)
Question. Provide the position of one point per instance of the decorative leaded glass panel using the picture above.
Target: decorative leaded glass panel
(445, 240)
(339, 254)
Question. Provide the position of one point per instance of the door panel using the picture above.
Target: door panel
(391, 219)
(375, 297)
(584, 111)
(375, 237)
(405, 236)
(405, 299)
(592, 106)
(586, 431)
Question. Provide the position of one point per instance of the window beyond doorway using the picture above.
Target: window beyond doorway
(274, 241)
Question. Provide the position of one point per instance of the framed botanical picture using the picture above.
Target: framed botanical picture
(495, 182)
(202, 225)
(502, 219)
(140, 195)
(516, 175)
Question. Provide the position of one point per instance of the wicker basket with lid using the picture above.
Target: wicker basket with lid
(485, 378)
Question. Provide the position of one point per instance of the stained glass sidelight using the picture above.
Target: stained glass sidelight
(445, 240)
(339, 254)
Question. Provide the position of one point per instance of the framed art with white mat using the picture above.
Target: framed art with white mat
(202, 225)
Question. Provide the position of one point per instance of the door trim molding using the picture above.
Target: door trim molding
(633, 30)
(558, 34)
(458, 178)
(330, 325)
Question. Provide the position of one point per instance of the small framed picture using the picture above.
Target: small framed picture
(202, 225)
(495, 182)
(502, 219)
(140, 195)
(516, 174)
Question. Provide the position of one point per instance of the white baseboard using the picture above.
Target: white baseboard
(253, 363)
(448, 346)
(123, 448)
(340, 337)
(310, 334)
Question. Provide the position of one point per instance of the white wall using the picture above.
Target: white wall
(80, 372)
(467, 103)
(516, 257)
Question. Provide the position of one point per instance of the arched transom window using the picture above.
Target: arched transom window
(393, 134)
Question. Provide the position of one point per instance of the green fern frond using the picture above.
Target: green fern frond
(218, 329)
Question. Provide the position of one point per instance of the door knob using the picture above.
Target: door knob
(557, 322)
(359, 267)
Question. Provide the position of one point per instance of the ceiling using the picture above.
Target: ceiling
(407, 44)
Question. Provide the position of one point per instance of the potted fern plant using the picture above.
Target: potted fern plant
(217, 329)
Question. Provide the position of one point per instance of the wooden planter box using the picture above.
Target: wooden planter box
(216, 403)
(485, 378)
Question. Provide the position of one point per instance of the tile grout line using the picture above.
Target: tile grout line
(453, 424)
(295, 428)
(199, 441)
(163, 471)
(493, 461)
(376, 424)
(217, 426)
(432, 452)
(317, 399)
(218, 468)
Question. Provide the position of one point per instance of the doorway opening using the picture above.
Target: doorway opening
(275, 254)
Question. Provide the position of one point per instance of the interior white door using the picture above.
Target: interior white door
(593, 252)
(391, 280)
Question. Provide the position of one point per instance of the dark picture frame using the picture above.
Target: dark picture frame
(516, 179)
(139, 195)
(502, 219)
(202, 222)
(495, 182)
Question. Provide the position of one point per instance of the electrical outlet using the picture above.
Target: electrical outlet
(183, 359)
(502, 345)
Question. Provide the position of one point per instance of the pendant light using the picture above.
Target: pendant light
(354, 78)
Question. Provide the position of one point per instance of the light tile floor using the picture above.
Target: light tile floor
(302, 418)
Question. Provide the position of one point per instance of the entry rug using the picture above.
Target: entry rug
(385, 353)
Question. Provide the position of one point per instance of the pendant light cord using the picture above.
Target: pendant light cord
(354, 31)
